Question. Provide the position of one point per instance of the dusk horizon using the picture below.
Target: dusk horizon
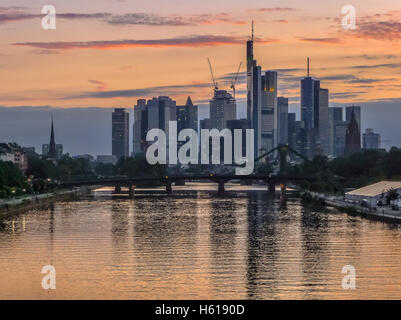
(200, 155)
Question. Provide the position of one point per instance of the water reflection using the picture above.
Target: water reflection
(262, 245)
(314, 237)
(245, 245)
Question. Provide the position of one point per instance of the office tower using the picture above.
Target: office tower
(307, 101)
(254, 97)
(335, 116)
(352, 136)
(292, 133)
(254, 112)
(206, 124)
(339, 138)
(282, 123)
(140, 127)
(269, 120)
(371, 140)
(301, 135)
(222, 108)
(120, 133)
(161, 111)
(153, 114)
(187, 116)
(241, 124)
(310, 96)
(323, 124)
(251, 63)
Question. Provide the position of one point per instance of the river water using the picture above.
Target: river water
(244, 245)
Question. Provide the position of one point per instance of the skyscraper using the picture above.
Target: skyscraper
(308, 101)
(249, 70)
(255, 112)
(282, 123)
(223, 108)
(310, 97)
(187, 116)
(120, 133)
(269, 121)
(153, 114)
(335, 117)
(323, 124)
(161, 110)
(140, 126)
(254, 97)
(232, 125)
(371, 140)
(339, 138)
(292, 133)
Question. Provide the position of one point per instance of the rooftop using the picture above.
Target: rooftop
(376, 188)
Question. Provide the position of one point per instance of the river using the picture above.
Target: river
(244, 245)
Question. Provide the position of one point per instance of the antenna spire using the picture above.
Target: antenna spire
(308, 66)
(252, 31)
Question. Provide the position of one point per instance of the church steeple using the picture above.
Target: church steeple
(352, 136)
(52, 144)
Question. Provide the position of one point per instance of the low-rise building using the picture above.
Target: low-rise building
(84, 156)
(374, 193)
(14, 153)
(6, 155)
(107, 159)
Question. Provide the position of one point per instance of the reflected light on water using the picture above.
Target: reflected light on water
(196, 246)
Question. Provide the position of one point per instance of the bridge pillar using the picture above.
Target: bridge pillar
(283, 188)
(271, 187)
(221, 188)
(131, 191)
(169, 189)
(117, 189)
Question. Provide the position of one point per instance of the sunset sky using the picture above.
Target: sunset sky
(109, 53)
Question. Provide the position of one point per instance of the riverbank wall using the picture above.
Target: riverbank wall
(19, 205)
(378, 214)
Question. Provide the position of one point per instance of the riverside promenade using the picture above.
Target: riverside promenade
(12, 206)
(377, 213)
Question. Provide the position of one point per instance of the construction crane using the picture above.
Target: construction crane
(233, 82)
(211, 72)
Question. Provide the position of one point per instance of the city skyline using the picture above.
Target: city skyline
(101, 94)
(122, 57)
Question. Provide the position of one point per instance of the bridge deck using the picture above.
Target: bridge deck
(171, 179)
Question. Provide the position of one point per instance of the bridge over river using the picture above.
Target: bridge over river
(118, 182)
(271, 180)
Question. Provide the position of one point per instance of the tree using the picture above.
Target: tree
(138, 166)
(392, 195)
(392, 163)
(105, 169)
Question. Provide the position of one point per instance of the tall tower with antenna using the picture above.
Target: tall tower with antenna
(254, 91)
